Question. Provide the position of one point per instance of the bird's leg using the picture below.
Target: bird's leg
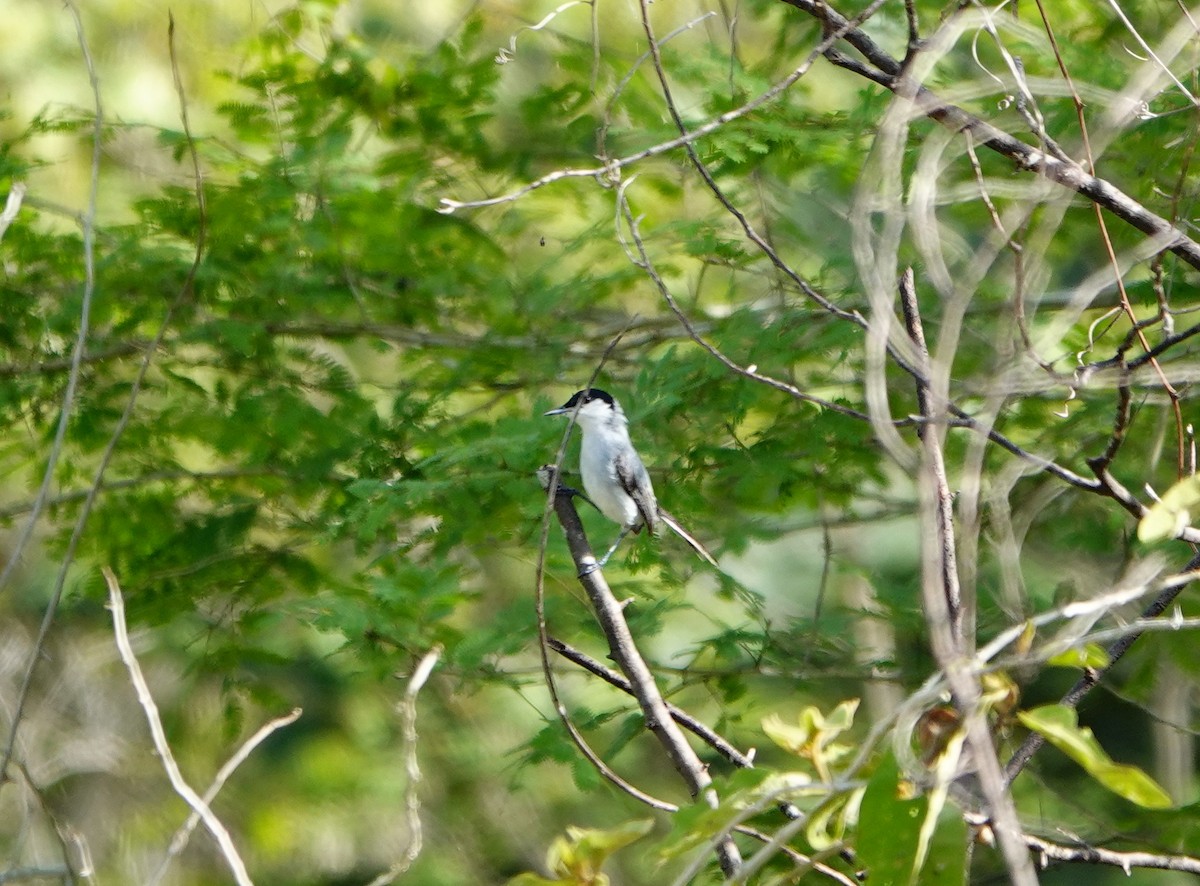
(592, 567)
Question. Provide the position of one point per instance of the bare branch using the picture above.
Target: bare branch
(698, 728)
(943, 499)
(642, 260)
(625, 653)
(1124, 860)
(412, 796)
(943, 615)
(886, 71)
(180, 839)
(117, 604)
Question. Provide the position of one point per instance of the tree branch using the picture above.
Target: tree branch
(888, 72)
(180, 839)
(683, 718)
(943, 500)
(117, 604)
(412, 799)
(625, 653)
(943, 614)
(1124, 860)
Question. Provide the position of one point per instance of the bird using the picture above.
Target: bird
(614, 477)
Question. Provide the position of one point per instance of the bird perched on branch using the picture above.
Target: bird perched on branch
(613, 474)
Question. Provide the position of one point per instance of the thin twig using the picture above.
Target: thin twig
(116, 603)
(1124, 860)
(412, 768)
(642, 260)
(180, 839)
(711, 183)
(88, 222)
(943, 499)
(149, 478)
(185, 291)
(698, 728)
(68, 838)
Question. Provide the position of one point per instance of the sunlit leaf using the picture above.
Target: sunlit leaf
(1089, 655)
(1059, 725)
(1172, 513)
(812, 736)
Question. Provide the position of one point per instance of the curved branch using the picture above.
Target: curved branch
(889, 73)
(116, 603)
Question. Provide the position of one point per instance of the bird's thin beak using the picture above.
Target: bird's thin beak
(562, 410)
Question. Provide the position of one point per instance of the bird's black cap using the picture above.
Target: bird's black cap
(581, 397)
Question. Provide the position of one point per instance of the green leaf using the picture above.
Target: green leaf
(812, 736)
(826, 826)
(889, 838)
(578, 856)
(1090, 655)
(1059, 725)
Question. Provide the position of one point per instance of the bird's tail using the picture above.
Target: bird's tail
(686, 536)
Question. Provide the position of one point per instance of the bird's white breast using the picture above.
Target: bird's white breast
(600, 479)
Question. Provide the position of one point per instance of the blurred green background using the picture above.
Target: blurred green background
(329, 466)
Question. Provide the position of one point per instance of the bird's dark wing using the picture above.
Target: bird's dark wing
(632, 476)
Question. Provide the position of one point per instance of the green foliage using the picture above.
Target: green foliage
(328, 467)
(892, 824)
(1171, 514)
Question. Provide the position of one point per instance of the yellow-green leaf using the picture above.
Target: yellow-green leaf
(529, 879)
(577, 857)
(812, 736)
(1090, 655)
(827, 824)
(1059, 725)
(1172, 513)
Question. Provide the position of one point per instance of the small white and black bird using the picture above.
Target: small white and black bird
(613, 474)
